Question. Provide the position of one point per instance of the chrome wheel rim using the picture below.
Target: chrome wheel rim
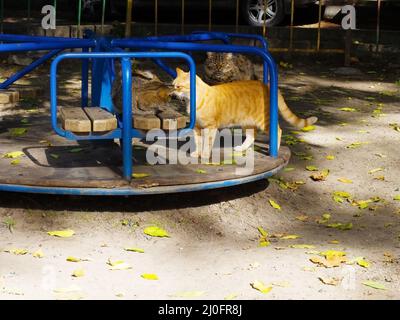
(262, 11)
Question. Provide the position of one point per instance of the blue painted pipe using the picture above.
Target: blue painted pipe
(127, 131)
(85, 80)
(181, 46)
(31, 67)
(32, 46)
(126, 66)
(25, 38)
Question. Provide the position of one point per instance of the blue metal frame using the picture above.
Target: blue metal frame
(186, 46)
(100, 54)
(125, 132)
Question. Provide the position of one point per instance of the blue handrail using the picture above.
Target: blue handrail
(184, 46)
(126, 133)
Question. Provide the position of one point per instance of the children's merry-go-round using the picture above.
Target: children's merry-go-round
(89, 148)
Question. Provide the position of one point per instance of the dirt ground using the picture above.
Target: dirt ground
(214, 251)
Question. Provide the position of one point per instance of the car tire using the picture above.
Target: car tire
(254, 12)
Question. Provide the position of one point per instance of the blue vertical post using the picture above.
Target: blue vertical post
(85, 80)
(274, 115)
(127, 117)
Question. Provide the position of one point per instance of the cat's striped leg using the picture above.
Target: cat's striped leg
(197, 142)
(208, 143)
(248, 142)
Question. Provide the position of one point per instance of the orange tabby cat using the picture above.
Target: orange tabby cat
(239, 103)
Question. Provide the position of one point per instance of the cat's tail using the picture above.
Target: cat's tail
(290, 117)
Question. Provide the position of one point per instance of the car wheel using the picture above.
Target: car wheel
(257, 15)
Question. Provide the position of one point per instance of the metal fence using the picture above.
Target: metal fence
(263, 30)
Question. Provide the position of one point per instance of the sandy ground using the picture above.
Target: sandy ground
(213, 250)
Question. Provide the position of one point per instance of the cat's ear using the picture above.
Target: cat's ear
(210, 54)
(229, 55)
(179, 71)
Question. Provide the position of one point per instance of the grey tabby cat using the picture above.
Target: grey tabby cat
(227, 67)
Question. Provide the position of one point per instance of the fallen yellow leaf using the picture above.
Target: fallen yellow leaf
(17, 132)
(154, 231)
(18, 252)
(375, 170)
(302, 218)
(348, 109)
(329, 281)
(341, 226)
(62, 233)
(308, 129)
(138, 250)
(345, 180)
(302, 246)
(13, 155)
(320, 176)
(149, 276)
(118, 265)
(274, 205)
(78, 273)
(38, 254)
(258, 285)
(290, 237)
(374, 285)
(231, 296)
(362, 262)
(140, 175)
(73, 259)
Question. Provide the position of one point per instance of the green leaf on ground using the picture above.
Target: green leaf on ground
(374, 285)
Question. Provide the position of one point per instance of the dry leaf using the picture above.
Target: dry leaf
(348, 109)
(118, 265)
(302, 218)
(302, 246)
(321, 176)
(231, 296)
(62, 233)
(154, 231)
(78, 273)
(18, 252)
(290, 237)
(374, 285)
(138, 250)
(258, 285)
(149, 276)
(341, 226)
(274, 205)
(17, 132)
(140, 175)
(330, 281)
(73, 259)
(13, 155)
(344, 180)
(375, 170)
(38, 254)
(308, 129)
